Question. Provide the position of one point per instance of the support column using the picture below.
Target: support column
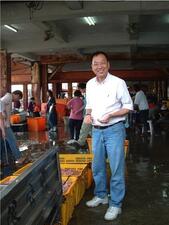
(69, 90)
(25, 96)
(5, 73)
(36, 83)
(58, 89)
(54, 90)
(44, 82)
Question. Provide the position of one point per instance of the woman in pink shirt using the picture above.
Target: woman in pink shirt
(76, 115)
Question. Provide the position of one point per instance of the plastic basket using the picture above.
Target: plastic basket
(8, 180)
(85, 173)
(21, 170)
(15, 118)
(69, 200)
(36, 124)
(77, 167)
(75, 158)
(89, 142)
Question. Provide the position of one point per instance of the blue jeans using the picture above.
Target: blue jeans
(109, 143)
(10, 137)
(52, 119)
(75, 126)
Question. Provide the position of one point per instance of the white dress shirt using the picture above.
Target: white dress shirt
(141, 100)
(7, 102)
(111, 95)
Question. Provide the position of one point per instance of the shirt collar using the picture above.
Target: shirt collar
(104, 81)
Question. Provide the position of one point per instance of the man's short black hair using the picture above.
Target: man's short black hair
(99, 53)
(18, 92)
(136, 87)
(82, 85)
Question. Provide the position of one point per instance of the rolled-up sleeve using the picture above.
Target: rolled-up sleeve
(124, 96)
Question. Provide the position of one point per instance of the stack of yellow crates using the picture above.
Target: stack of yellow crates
(78, 175)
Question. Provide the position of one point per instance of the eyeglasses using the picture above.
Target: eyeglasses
(99, 64)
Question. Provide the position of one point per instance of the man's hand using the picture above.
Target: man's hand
(88, 119)
(105, 118)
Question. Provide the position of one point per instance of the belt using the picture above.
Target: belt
(104, 127)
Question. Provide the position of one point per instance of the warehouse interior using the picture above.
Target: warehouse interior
(51, 48)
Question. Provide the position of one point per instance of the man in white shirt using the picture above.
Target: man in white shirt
(7, 100)
(108, 103)
(2, 116)
(140, 102)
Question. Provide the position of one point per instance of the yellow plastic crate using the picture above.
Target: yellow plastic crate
(89, 142)
(8, 180)
(70, 190)
(69, 200)
(77, 189)
(77, 167)
(21, 170)
(86, 173)
(75, 158)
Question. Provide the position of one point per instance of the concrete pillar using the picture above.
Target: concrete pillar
(36, 83)
(69, 90)
(5, 73)
(44, 81)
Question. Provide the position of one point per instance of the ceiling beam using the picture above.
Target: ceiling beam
(133, 27)
(74, 5)
(57, 69)
(62, 59)
(18, 12)
(84, 76)
(74, 58)
(51, 31)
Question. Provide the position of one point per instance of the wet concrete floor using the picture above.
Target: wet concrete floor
(147, 182)
(147, 187)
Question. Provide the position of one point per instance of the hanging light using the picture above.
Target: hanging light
(90, 21)
(11, 28)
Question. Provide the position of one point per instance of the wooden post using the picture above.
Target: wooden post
(44, 82)
(5, 73)
(54, 90)
(58, 89)
(25, 96)
(69, 90)
(9, 72)
(36, 83)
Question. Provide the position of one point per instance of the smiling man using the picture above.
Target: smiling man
(108, 103)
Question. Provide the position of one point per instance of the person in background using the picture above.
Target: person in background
(36, 112)
(85, 128)
(76, 115)
(51, 111)
(164, 106)
(31, 106)
(7, 100)
(107, 116)
(141, 104)
(2, 117)
(17, 105)
(2, 131)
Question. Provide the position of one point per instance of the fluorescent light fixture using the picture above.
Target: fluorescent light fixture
(90, 20)
(11, 28)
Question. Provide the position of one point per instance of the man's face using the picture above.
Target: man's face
(100, 66)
